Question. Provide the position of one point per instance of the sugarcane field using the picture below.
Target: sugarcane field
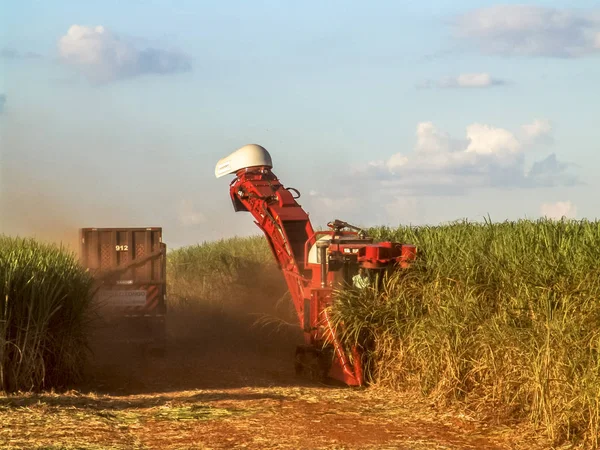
(446, 370)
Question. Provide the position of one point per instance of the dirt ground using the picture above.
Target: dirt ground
(224, 384)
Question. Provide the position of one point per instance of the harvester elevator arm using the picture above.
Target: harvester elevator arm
(285, 224)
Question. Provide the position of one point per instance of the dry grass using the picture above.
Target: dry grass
(278, 418)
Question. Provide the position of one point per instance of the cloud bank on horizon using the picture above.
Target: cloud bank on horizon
(487, 156)
(440, 165)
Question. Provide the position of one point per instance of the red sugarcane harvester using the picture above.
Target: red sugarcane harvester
(314, 263)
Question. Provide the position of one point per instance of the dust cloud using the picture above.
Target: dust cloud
(59, 173)
(33, 207)
(209, 346)
(31, 212)
(53, 182)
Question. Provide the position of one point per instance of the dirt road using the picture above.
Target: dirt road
(220, 388)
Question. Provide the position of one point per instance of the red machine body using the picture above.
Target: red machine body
(314, 264)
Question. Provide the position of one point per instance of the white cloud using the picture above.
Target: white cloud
(465, 80)
(104, 56)
(538, 131)
(431, 140)
(488, 140)
(558, 210)
(475, 80)
(529, 30)
(537, 128)
(397, 160)
(188, 215)
(488, 157)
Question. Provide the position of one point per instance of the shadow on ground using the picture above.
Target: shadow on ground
(209, 350)
(95, 403)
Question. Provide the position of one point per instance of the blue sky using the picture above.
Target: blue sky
(115, 113)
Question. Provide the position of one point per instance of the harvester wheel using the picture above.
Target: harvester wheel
(158, 352)
(309, 363)
(315, 370)
(299, 361)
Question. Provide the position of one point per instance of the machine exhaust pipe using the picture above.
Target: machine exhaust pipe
(323, 246)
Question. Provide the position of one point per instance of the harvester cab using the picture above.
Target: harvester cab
(335, 254)
(313, 263)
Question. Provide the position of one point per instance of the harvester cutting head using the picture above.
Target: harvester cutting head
(251, 155)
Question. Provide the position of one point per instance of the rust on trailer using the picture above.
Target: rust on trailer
(129, 267)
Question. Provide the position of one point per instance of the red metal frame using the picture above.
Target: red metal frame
(290, 235)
